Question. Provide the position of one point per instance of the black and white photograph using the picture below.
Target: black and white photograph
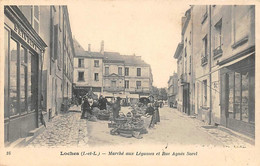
(85, 77)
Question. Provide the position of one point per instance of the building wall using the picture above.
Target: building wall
(68, 56)
(98, 70)
(200, 31)
(21, 111)
(145, 78)
(89, 71)
(180, 87)
(237, 24)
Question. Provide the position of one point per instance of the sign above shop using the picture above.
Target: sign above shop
(21, 32)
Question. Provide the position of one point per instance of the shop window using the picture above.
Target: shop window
(120, 71)
(245, 95)
(13, 101)
(33, 89)
(238, 93)
(80, 76)
(230, 77)
(6, 78)
(238, 98)
(23, 79)
(126, 71)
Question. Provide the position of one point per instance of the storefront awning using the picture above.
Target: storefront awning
(237, 60)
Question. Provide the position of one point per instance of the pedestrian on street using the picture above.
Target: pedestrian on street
(116, 107)
(157, 115)
(102, 103)
(151, 111)
(86, 107)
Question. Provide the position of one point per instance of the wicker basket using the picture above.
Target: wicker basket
(123, 131)
(121, 121)
(126, 135)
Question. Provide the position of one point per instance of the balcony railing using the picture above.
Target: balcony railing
(217, 52)
(204, 60)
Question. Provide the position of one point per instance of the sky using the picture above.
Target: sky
(150, 29)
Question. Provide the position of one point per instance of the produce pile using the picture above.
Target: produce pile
(129, 125)
(104, 114)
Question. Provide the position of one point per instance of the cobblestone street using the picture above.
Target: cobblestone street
(175, 128)
(64, 130)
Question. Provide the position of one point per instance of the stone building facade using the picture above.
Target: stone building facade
(38, 38)
(222, 65)
(125, 76)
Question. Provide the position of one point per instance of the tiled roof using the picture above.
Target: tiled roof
(112, 56)
(79, 50)
(134, 60)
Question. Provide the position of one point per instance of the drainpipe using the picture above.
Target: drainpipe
(210, 92)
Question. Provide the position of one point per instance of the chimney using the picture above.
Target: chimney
(102, 47)
(89, 47)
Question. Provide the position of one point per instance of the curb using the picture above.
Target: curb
(241, 136)
(238, 135)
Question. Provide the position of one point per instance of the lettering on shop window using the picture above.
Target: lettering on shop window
(24, 36)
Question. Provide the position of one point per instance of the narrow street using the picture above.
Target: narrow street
(175, 128)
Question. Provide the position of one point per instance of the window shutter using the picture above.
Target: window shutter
(56, 42)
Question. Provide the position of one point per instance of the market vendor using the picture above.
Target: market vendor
(86, 107)
(116, 107)
(102, 102)
(153, 108)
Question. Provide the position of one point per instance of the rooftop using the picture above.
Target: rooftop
(112, 56)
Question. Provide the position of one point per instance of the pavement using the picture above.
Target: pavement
(174, 128)
(63, 131)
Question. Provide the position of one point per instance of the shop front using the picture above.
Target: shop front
(22, 80)
(238, 95)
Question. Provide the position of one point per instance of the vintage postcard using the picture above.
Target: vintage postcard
(129, 82)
